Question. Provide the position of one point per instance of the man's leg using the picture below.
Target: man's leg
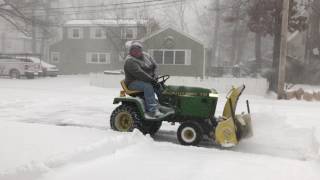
(149, 96)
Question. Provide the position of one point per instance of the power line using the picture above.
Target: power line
(113, 4)
(97, 10)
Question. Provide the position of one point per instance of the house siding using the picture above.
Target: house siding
(180, 42)
(73, 52)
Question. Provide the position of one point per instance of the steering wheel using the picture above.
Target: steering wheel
(162, 79)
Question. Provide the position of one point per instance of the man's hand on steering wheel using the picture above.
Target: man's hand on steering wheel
(162, 79)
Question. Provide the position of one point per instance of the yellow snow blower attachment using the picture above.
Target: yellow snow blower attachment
(232, 128)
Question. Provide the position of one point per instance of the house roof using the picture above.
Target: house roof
(181, 32)
(106, 22)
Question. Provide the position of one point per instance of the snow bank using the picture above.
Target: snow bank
(158, 161)
(101, 148)
(222, 85)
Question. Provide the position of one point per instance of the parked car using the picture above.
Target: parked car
(15, 67)
(49, 69)
(46, 68)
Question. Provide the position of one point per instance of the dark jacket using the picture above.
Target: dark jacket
(140, 69)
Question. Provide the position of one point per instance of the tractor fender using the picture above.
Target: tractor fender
(138, 102)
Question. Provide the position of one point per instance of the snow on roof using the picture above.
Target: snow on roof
(106, 22)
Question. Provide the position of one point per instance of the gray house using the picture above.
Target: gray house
(94, 45)
(177, 53)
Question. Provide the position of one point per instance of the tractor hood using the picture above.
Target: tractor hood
(189, 91)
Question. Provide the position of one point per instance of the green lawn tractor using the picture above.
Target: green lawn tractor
(193, 107)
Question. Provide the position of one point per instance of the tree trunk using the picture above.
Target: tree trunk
(235, 37)
(241, 45)
(214, 60)
(258, 40)
(273, 86)
(314, 34)
(34, 34)
(3, 42)
(44, 33)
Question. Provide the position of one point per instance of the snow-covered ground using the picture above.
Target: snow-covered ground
(58, 129)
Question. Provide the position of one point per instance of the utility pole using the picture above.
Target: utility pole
(34, 35)
(283, 48)
(46, 8)
(216, 33)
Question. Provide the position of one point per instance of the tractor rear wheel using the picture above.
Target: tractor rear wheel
(190, 133)
(124, 118)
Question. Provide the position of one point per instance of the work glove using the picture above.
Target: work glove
(155, 84)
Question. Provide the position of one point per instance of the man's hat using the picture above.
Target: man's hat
(133, 44)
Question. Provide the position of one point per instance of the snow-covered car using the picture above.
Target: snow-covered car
(49, 69)
(46, 69)
(34, 60)
(15, 67)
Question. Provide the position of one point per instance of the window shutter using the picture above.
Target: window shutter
(88, 57)
(92, 33)
(188, 57)
(108, 59)
(80, 33)
(70, 33)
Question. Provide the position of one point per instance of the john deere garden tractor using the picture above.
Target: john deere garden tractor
(193, 107)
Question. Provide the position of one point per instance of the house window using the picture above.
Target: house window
(98, 58)
(158, 56)
(75, 33)
(128, 33)
(172, 56)
(97, 33)
(168, 57)
(55, 57)
(180, 57)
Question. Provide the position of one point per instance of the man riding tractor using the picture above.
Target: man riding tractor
(140, 74)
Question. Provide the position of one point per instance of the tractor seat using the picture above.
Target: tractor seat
(127, 91)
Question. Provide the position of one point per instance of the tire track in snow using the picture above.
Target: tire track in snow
(106, 147)
(269, 138)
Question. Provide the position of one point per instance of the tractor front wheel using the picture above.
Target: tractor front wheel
(190, 133)
(124, 118)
